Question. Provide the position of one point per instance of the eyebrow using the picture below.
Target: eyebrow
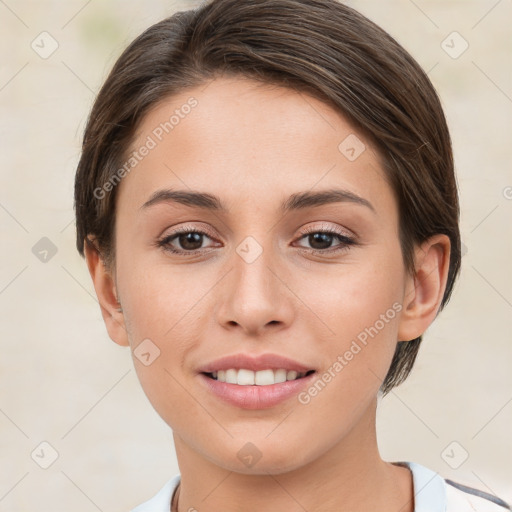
(297, 201)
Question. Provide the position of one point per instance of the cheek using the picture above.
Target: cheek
(164, 315)
(351, 297)
(364, 314)
(361, 309)
(158, 299)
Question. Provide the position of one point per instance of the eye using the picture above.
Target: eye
(321, 240)
(191, 240)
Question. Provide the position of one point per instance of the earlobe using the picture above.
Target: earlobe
(425, 289)
(106, 292)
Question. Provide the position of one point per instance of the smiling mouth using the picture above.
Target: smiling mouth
(244, 377)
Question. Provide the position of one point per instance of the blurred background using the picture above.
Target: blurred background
(76, 430)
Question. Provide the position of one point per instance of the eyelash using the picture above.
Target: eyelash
(164, 243)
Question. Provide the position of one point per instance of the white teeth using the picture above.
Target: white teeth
(263, 377)
(279, 376)
(244, 377)
(231, 377)
(291, 375)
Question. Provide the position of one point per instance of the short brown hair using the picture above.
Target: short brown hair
(320, 47)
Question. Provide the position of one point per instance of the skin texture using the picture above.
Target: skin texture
(253, 145)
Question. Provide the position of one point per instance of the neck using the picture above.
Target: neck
(350, 476)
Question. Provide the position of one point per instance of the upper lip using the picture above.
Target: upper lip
(254, 363)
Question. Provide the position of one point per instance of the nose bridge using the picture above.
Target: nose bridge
(254, 297)
(252, 276)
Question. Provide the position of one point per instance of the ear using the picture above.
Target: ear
(425, 289)
(106, 292)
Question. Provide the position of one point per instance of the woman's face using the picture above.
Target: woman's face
(258, 276)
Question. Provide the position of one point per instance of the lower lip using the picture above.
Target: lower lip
(256, 397)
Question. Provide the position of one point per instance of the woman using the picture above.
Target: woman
(267, 204)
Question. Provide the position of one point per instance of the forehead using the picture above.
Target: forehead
(247, 141)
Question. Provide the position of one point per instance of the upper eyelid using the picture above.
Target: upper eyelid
(311, 229)
(329, 228)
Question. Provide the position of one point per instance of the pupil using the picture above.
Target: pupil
(322, 237)
(190, 238)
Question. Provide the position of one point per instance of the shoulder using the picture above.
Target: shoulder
(461, 497)
(433, 493)
(161, 502)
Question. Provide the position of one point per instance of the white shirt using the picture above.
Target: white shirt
(432, 493)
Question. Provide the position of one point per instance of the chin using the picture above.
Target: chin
(261, 457)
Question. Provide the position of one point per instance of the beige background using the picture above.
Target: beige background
(62, 381)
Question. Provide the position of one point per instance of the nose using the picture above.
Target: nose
(255, 296)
